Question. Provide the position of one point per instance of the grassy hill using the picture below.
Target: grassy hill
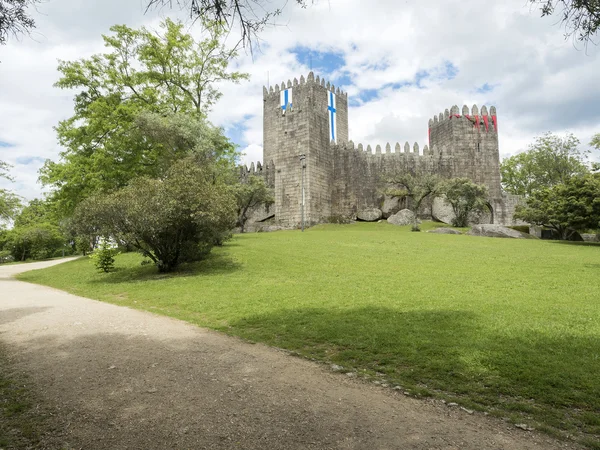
(507, 326)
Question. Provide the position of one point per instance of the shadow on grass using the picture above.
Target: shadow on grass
(581, 244)
(212, 265)
(550, 378)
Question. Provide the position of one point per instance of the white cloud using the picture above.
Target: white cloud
(541, 82)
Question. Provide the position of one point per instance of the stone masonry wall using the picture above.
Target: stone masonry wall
(303, 129)
(341, 179)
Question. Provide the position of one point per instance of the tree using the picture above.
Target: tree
(596, 144)
(123, 94)
(550, 160)
(581, 18)
(249, 195)
(14, 18)
(466, 198)
(417, 188)
(229, 13)
(39, 241)
(567, 207)
(10, 203)
(175, 219)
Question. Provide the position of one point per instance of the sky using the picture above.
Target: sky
(400, 62)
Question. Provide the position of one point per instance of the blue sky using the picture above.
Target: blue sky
(400, 63)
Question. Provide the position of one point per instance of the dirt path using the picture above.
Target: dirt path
(125, 379)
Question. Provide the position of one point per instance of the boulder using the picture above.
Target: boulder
(369, 215)
(444, 231)
(441, 211)
(590, 237)
(402, 217)
(391, 205)
(490, 230)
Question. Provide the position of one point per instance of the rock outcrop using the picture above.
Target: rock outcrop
(498, 231)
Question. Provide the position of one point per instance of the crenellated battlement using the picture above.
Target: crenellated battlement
(480, 118)
(310, 80)
(267, 171)
(398, 150)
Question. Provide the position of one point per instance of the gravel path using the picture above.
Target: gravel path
(125, 379)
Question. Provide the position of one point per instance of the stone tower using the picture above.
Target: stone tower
(471, 141)
(303, 118)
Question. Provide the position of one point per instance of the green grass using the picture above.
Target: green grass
(506, 326)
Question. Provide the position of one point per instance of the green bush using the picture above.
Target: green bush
(104, 257)
(5, 256)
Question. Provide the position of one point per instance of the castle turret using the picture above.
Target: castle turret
(471, 143)
(303, 118)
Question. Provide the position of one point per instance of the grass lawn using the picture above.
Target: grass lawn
(507, 326)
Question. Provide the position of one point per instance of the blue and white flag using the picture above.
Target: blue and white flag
(332, 114)
(286, 99)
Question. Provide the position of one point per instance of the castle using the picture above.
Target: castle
(317, 173)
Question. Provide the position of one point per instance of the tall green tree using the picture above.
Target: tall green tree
(10, 203)
(596, 144)
(165, 73)
(550, 160)
(566, 207)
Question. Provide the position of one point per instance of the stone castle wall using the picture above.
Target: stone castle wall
(341, 179)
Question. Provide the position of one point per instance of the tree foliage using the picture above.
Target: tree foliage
(175, 219)
(567, 207)
(466, 198)
(417, 188)
(122, 95)
(249, 195)
(38, 241)
(581, 18)
(250, 16)
(10, 203)
(550, 160)
(15, 18)
(104, 256)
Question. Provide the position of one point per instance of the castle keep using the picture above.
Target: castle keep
(306, 149)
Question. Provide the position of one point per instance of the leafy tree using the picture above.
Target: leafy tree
(10, 203)
(417, 188)
(466, 198)
(171, 220)
(581, 18)
(567, 207)
(249, 195)
(143, 75)
(39, 241)
(596, 144)
(550, 160)
(14, 18)
(37, 211)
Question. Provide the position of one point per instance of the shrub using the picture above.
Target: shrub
(5, 256)
(104, 257)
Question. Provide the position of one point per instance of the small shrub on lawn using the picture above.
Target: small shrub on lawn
(104, 257)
